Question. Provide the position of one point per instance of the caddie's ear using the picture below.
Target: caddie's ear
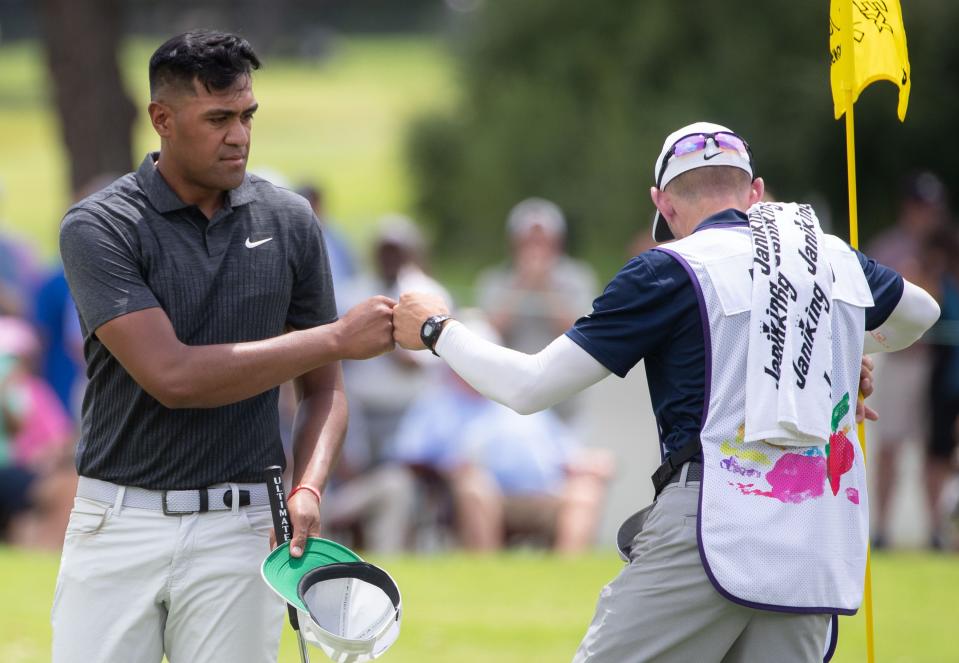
(756, 191)
(663, 202)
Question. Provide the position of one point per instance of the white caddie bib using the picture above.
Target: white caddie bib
(780, 528)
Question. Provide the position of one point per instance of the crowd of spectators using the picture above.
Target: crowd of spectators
(38, 369)
(917, 390)
(428, 463)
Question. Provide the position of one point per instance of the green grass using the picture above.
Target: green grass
(340, 122)
(528, 608)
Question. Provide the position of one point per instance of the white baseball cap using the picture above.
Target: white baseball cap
(347, 607)
(711, 155)
(400, 230)
(533, 212)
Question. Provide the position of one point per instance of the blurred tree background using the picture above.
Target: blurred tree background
(340, 83)
(572, 100)
(81, 41)
(556, 98)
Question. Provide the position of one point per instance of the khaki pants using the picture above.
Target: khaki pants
(135, 584)
(663, 608)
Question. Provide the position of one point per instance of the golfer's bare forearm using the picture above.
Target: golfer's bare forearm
(319, 426)
(183, 376)
(216, 375)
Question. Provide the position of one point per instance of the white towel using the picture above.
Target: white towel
(789, 361)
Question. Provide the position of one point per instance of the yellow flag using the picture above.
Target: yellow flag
(876, 38)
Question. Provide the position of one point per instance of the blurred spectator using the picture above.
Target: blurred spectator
(901, 396)
(940, 263)
(52, 312)
(19, 275)
(371, 508)
(511, 477)
(37, 480)
(342, 262)
(542, 291)
(381, 388)
(923, 209)
(370, 503)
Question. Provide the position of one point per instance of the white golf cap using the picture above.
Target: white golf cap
(712, 155)
(400, 230)
(347, 607)
(532, 212)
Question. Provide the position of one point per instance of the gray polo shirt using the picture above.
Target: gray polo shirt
(257, 267)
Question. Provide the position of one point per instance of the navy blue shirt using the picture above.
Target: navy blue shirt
(650, 311)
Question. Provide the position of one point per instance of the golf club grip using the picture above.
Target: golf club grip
(282, 527)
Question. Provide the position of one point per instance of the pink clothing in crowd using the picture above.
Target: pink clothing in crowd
(46, 426)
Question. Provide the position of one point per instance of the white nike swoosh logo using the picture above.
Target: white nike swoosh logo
(253, 245)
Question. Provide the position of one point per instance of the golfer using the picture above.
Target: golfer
(200, 288)
(752, 325)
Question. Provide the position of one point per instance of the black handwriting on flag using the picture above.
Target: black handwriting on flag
(873, 11)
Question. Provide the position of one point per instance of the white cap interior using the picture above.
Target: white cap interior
(352, 618)
(711, 156)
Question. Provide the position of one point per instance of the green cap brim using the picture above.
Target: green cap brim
(283, 573)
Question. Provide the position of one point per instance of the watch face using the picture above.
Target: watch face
(431, 330)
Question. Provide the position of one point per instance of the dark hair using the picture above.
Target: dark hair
(216, 59)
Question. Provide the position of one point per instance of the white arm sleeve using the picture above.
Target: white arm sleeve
(916, 312)
(522, 382)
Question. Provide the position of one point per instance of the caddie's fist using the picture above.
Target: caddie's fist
(410, 314)
(866, 386)
(367, 329)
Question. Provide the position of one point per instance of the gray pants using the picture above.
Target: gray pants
(662, 607)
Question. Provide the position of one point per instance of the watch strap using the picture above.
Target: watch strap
(431, 329)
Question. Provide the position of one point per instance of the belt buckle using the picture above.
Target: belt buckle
(166, 509)
(163, 505)
(203, 506)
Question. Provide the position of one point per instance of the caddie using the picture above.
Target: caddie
(752, 325)
(200, 289)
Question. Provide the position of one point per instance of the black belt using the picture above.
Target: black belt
(669, 471)
(694, 473)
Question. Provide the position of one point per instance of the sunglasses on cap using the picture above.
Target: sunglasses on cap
(723, 140)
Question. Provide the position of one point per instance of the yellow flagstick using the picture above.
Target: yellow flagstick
(864, 51)
(861, 427)
(847, 46)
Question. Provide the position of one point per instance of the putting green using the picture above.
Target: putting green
(525, 607)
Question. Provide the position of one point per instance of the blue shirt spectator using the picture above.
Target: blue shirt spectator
(452, 424)
(53, 310)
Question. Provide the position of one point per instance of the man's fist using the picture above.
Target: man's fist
(367, 329)
(410, 314)
(866, 387)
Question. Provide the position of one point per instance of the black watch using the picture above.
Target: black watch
(430, 331)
